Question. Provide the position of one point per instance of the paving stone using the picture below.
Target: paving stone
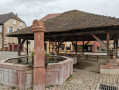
(82, 80)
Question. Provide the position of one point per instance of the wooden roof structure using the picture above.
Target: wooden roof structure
(74, 25)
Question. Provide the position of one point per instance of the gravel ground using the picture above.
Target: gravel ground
(90, 65)
(6, 54)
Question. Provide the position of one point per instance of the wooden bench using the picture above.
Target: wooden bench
(89, 57)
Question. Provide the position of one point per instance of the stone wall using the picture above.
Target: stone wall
(112, 70)
(20, 76)
(57, 73)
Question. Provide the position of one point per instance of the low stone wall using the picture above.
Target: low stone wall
(14, 75)
(74, 56)
(75, 60)
(57, 73)
(20, 76)
(109, 70)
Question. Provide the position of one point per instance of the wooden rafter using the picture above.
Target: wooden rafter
(98, 40)
(21, 43)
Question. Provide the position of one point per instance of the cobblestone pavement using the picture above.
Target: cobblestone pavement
(85, 80)
(82, 80)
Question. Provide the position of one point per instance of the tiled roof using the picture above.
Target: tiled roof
(89, 43)
(49, 16)
(81, 42)
(73, 20)
(5, 17)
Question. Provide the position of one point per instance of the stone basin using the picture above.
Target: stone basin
(20, 76)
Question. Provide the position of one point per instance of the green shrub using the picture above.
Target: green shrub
(47, 54)
(32, 54)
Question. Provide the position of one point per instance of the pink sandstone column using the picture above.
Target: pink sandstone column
(39, 63)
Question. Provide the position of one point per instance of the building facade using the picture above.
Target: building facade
(9, 23)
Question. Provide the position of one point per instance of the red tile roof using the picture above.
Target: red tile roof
(49, 16)
(81, 42)
(90, 43)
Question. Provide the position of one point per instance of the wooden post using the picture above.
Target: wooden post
(76, 47)
(49, 46)
(117, 46)
(83, 47)
(53, 47)
(39, 61)
(58, 48)
(27, 47)
(27, 50)
(114, 43)
(19, 48)
(108, 54)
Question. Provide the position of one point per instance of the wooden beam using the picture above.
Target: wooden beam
(27, 50)
(86, 42)
(108, 54)
(98, 40)
(114, 43)
(61, 41)
(73, 43)
(51, 43)
(83, 46)
(76, 47)
(22, 42)
(74, 34)
(49, 46)
(27, 46)
(58, 48)
(19, 51)
(116, 46)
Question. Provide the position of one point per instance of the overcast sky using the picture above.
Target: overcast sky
(28, 10)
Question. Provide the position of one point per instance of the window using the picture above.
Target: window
(68, 46)
(0, 29)
(14, 29)
(14, 21)
(10, 29)
(20, 23)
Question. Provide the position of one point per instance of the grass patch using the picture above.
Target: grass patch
(13, 87)
(69, 78)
